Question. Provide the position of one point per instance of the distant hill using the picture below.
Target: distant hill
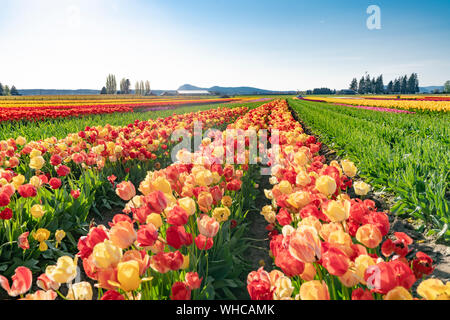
(430, 89)
(235, 90)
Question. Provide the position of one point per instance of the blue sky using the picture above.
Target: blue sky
(280, 45)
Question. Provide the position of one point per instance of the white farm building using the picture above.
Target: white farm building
(193, 92)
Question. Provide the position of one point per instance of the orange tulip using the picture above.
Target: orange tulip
(369, 235)
(304, 244)
(205, 201)
(122, 234)
(126, 190)
(314, 290)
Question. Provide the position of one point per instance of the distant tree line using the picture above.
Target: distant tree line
(6, 91)
(403, 85)
(140, 87)
(321, 91)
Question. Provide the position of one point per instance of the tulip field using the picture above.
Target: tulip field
(98, 201)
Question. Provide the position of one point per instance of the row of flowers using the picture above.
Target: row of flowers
(326, 244)
(35, 112)
(412, 105)
(63, 104)
(48, 187)
(159, 246)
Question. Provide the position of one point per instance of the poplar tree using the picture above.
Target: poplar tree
(111, 84)
(147, 87)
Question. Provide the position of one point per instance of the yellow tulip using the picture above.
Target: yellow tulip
(64, 271)
(349, 168)
(35, 153)
(285, 187)
(155, 219)
(326, 185)
(398, 293)
(41, 235)
(21, 141)
(221, 214)
(338, 211)
(128, 275)
(18, 180)
(80, 291)
(37, 211)
(106, 254)
(37, 162)
(434, 289)
(361, 188)
(188, 204)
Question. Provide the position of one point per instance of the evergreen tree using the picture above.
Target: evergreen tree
(14, 91)
(416, 84)
(354, 85)
(368, 84)
(362, 86)
(404, 85)
(379, 86)
(390, 87)
(397, 85)
(104, 91)
(1, 89)
(411, 84)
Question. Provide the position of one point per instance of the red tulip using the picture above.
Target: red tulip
(180, 291)
(147, 235)
(156, 201)
(203, 243)
(177, 216)
(22, 241)
(6, 214)
(192, 280)
(63, 171)
(258, 285)
(176, 237)
(55, 183)
(4, 199)
(27, 191)
(112, 295)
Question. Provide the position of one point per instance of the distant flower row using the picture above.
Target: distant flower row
(442, 105)
(41, 111)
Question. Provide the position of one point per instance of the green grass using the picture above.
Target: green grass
(408, 154)
(60, 128)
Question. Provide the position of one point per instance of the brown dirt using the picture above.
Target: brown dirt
(257, 230)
